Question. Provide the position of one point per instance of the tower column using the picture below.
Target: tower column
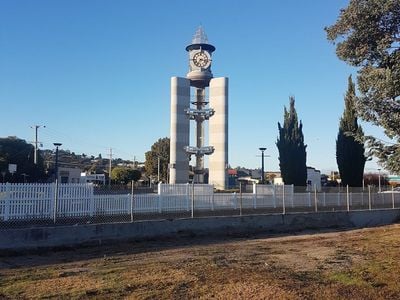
(218, 133)
(200, 104)
(179, 134)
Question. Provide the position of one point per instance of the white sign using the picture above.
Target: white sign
(12, 168)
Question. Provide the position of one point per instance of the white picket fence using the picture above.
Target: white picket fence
(48, 201)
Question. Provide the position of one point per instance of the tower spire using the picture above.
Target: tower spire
(200, 41)
(200, 36)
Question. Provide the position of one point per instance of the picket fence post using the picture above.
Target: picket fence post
(255, 195)
(91, 199)
(55, 200)
(7, 202)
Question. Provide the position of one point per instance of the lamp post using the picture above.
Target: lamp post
(379, 180)
(56, 165)
(262, 149)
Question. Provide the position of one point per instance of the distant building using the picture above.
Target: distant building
(92, 178)
(68, 175)
(278, 181)
(313, 179)
(250, 176)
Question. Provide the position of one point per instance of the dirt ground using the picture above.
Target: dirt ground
(355, 264)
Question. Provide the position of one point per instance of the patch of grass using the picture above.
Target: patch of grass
(347, 279)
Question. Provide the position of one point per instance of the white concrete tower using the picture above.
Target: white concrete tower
(196, 108)
(180, 131)
(218, 133)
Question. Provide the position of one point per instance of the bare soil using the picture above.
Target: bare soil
(355, 264)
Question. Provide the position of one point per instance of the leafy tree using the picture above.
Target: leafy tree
(292, 151)
(119, 175)
(349, 150)
(135, 175)
(367, 33)
(125, 175)
(159, 149)
(17, 151)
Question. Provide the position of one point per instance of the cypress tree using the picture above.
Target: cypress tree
(292, 151)
(350, 156)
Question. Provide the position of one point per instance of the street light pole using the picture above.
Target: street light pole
(262, 149)
(56, 167)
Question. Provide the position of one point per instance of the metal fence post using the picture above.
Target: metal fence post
(309, 199)
(241, 199)
(212, 199)
(347, 198)
(192, 199)
(292, 194)
(255, 196)
(362, 196)
(188, 196)
(55, 201)
(283, 200)
(315, 198)
(324, 199)
(160, 201)
(274, 195)
(132, 198)
(392, 197)
(369, 197)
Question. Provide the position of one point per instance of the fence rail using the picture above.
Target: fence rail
(75, 203)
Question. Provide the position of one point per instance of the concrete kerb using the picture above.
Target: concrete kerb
(60, 236)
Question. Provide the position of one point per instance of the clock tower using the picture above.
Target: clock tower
(189, 103)
(200, 52)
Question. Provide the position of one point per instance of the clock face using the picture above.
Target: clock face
(200, 59)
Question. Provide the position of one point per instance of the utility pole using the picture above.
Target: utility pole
(109, 169)
(36, 127)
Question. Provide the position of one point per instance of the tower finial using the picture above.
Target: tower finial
(200, 41)
(200, 36)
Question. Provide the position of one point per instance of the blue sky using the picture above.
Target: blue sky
(97, 73)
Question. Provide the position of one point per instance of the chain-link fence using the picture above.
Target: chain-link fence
(24, 205)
